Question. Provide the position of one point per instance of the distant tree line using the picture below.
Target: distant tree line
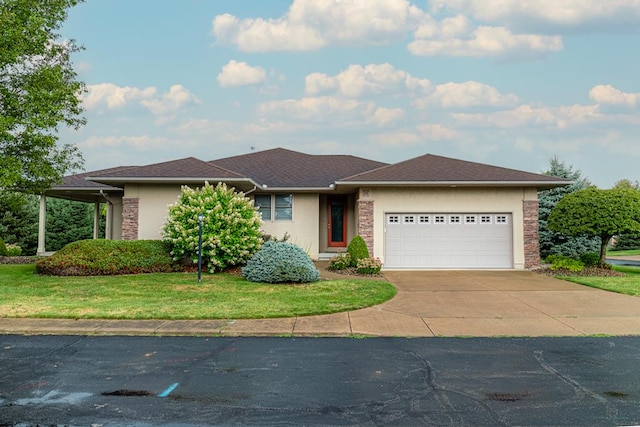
(67, 221)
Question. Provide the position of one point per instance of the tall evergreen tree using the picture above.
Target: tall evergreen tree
(553, 242)
(19, 220)
(67, 221)
(627, 241)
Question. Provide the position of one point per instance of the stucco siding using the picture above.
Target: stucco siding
(303, 228)
(153, 207)
(450, 200)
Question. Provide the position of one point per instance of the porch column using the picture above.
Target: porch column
(108, 229)
(365, 223)
(96, 220)
(130, 209)
(531, 233)
(42, 224)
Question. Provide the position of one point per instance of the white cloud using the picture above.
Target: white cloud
(236, 73)
(313, 24)
(526, 116)
(607, 94)
(372, 79)
(467, 94)
(318, 109)
(543, 13)
(498, 42)
(113, 96)
(387, 116)
(141, 142)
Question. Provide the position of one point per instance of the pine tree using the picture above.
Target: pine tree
(552, 243)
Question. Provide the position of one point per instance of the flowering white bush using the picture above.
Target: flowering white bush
(230, 231)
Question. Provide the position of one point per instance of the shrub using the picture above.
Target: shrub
(627, 242)
(340, 261)
(3, 248)
(590, 259)
(108, 257)
(13, 250)
(564, 262)
(279, 262)
(369, 266)
(231, 227)
(358, 250)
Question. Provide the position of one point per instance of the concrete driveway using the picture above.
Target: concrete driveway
(496, 303)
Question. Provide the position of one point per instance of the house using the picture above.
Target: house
(426, 212)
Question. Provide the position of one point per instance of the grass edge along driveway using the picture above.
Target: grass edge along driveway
(174, 296)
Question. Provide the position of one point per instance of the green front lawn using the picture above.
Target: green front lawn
(629, 284)
(624, 253)
(177, 296)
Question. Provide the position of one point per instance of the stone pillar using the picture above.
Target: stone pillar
(42, 225)
(531, 234)
(130, 206)
(365, 223)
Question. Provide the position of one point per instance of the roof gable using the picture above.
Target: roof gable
(189, 167)
(430, 168)
(281, 168)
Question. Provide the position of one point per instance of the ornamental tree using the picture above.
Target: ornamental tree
(230, 232)
(554, 243)
(598, 213)
(38, 94)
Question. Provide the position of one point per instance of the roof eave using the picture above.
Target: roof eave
(536, 184)
(166, 180)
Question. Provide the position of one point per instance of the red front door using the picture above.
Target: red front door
(337, 218)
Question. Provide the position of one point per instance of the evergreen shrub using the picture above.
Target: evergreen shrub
(565, 263)
(3, 248)
(358, 250)
(590, 259)
(280, 262)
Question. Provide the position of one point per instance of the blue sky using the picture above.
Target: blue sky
(511, 83)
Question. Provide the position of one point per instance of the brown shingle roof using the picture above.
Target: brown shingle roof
(437, 169)
(281, 168)
(189, 167)
(80, 180)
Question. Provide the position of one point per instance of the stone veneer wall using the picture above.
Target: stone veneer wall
(531, 235)
(130, 208)
(365, 223)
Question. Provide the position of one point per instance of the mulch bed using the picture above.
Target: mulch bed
(18, 259)
(587, 272)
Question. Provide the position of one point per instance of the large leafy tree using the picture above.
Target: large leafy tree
(554, 243)
(599, 213)
(39, 93)
(626, 240)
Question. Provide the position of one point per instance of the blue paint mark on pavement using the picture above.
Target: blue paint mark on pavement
(168, 390)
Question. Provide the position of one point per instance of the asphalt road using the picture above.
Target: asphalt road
(188, 381)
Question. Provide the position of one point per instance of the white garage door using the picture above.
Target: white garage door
(448, 240)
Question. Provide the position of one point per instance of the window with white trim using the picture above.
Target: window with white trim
(424, 219)
(469, 219)
(501, 219)
(393, 219)
(278, 207)
(439, 219)
(454, 219)
(485, 219)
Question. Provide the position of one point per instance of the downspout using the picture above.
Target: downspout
(109, 219)
(252, 190)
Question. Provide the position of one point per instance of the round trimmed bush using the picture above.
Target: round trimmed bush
(108, 257)
(280, 262)
(358, 250)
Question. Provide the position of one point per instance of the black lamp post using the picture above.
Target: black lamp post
(200, 219)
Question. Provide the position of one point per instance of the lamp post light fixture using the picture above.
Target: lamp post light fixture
(200, 219)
